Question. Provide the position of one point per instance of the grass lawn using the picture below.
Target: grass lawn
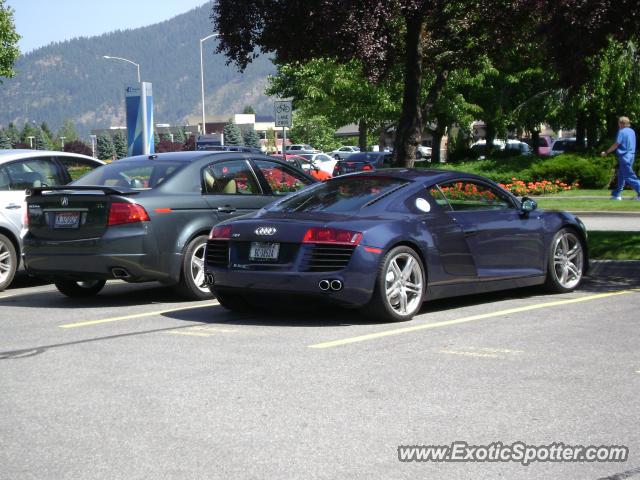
(614, 245)
(595, 205)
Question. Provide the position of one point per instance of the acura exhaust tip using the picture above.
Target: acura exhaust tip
(336, 285)
(324, 285)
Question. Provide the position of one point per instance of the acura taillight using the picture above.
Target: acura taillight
(366, 167)
(222, 232)
(124, 212)
(332, 235)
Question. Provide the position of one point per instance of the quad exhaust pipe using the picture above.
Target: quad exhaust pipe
(326, 285)
(209, 279)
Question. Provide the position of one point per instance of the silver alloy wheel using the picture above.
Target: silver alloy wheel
(568, 259)
(5, 262)
(197, 267)
(403, 284)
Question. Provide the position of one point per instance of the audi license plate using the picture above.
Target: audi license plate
(264, 251)
(67, 220)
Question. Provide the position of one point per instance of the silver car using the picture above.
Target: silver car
(19, 171)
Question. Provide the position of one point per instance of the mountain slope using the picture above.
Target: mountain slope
(72, 80)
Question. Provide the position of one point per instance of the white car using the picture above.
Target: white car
(298, 148)
(423, 152)
(321, 160)
(344, 152)
(19, 171)
(562, 145)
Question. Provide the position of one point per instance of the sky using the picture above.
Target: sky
(41, 22)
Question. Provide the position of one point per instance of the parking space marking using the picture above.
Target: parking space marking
(135, 316)
(472, 318)
(202, 331)
(481, 352)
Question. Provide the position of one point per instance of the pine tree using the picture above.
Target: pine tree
(248, 109)
(251, 138)
(14, 134)
(68, 131)
(104, 147)
(40, 140)
(5, 141)
(179, 136)
(232, 134)
(120, 145)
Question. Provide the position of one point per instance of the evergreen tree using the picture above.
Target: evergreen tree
(232, 134)
(248, 109)
(156, 139)
(41, 142)
(104, 147)
(46, 130)
(5, 141)
(120, 145)
(251, 138)
(14, 134)
(68, 131)
(179, 137)
(28, 130)
(271, 141)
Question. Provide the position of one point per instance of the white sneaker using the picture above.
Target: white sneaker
(615, 198)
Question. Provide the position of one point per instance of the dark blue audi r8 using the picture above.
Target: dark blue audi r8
(388, 240)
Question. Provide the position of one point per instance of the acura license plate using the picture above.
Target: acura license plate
(67, 220)
(264, 251)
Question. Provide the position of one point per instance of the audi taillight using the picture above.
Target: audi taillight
(366, 167)
(124, 212)
(222, 232)
(332, 235)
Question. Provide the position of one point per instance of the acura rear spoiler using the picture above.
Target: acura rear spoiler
(35, 191)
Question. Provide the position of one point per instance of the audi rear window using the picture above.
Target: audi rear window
(345, 194)
(139, 175)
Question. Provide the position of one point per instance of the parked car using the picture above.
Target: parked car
(545, 144)
(306, 166)
(322, 160)
(562, 145)
(517, 147)
(299, 148)
(147, 218)
(387, 240)
(363, 161)
(21, 170)
(344, 152)
(423, 152)
(229, 148)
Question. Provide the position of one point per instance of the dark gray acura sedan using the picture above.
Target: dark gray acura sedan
(146, 218)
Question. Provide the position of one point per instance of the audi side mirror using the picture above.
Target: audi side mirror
(528, 205)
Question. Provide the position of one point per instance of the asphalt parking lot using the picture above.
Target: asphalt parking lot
(136, 383)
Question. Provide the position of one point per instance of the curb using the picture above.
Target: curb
(614, 268)
(588, 213)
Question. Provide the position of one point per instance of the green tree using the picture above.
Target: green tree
(315, 130)
(28, 130)
(41, 140)
(104, 147)
(68, 131)
(8, 41)
(248, 109)
(271, 141)
(232, 134)
(120, 145)
(5, 141)
(14, 134)
(179, 137)
(251, 138)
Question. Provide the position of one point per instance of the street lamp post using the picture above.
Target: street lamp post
(62, 142)
(125, 60)
(204, 125)
(31, 141)
(93, 146)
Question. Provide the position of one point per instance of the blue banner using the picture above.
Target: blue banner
(139, 112)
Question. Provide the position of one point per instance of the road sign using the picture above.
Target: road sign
(283, 113)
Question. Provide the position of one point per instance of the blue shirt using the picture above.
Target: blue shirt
(626, 141)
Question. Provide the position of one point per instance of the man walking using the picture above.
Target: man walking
(625, 148)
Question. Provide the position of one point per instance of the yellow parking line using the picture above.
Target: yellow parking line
(472, 318)
(137, 315)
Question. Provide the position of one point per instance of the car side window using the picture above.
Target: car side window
(281, 179)
(38, 172)
(5, 181)
(229, 178)
(439, 197)
(469, 195)
(76, 167)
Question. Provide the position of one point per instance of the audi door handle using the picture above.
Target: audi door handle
(226, 209)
